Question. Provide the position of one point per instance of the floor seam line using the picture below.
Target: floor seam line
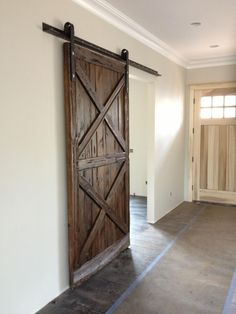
(156, 260)
(230, 295)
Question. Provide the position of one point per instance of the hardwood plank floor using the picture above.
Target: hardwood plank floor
(147, 241)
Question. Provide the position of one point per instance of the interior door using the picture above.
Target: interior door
(97, 126)
(215, 145)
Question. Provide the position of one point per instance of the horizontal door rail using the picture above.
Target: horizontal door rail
(79, 41)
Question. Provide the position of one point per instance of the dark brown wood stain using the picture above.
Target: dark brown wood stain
(96, 106)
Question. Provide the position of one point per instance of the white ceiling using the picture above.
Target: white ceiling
(170, 21)
(167, 23)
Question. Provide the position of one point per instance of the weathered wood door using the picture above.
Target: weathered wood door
(97, 127)
(215, 145)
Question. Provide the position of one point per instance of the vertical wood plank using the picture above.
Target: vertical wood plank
(126, 181)
(203, 156)
(231, 160)
(223, 138)
(213, 157)
(69, 100)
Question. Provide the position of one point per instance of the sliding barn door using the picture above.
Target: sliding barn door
(215, 145)
(97, 125)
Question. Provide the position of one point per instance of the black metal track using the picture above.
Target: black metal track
(79, 41)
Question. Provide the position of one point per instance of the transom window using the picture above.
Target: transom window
(218, 107)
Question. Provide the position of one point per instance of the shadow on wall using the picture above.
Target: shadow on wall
(60, 134)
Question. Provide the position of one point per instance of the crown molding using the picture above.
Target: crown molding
(113, 16)
(212, 62)
(118, 19)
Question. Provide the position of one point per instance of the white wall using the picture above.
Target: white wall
(224, 73)
(138, 100)
(33, 224)
(170, 141)
(219, 74)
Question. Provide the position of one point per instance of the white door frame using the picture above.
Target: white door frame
(191, 164)
(151, 82)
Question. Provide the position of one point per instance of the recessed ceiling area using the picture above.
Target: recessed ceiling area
(170, 21)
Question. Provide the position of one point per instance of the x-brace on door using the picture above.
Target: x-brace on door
(97, 128)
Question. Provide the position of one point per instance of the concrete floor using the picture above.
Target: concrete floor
(182, 264)
(195, 274)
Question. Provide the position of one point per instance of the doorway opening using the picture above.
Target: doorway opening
(138, 124)
(142, 99)
(213, 138)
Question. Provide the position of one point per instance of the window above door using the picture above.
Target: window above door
(218, 107)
